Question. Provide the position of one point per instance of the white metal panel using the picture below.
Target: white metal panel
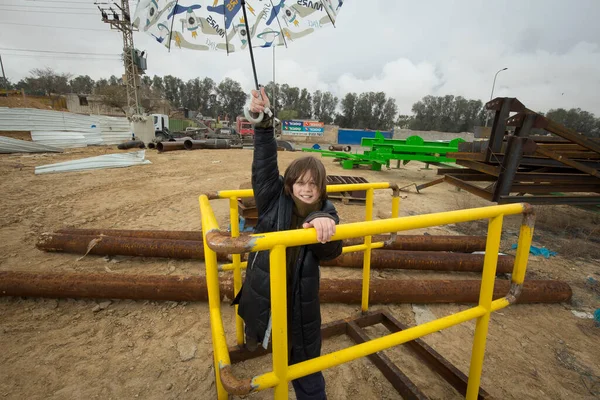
(117, 160)
(96, 129)
(115, 130)
(10, 145)
(59, 139)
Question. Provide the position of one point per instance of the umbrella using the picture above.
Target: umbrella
(233, 25)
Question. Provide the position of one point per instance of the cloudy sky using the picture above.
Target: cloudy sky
(408, 49)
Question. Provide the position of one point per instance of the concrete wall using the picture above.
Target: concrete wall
(432, 135)
(144, 130)
(94, 106)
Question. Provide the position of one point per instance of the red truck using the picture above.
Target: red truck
(243, 127)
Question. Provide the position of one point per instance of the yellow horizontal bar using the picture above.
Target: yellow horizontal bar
(265, 381)
(394, 339)
(361, 247)
(225, 194)
(500, 304)
(301, 237)
(347, 249)
(230, 267)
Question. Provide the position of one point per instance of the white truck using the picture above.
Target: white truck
(161, 127)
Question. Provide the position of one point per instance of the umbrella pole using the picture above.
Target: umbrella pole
(250, 44)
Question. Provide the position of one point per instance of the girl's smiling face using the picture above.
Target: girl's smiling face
(306, 189)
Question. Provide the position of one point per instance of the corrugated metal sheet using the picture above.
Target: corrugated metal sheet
(115, 130)
(353, 136)
(31, 119)
(117, 160)
(10, 145)
(96, 129)
(59, 139)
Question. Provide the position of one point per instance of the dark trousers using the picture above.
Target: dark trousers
(310, 387)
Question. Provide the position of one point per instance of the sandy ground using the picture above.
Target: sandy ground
(121, 349)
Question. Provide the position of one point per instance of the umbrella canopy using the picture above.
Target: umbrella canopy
(232, 25)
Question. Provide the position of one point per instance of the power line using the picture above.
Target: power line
(50, 12)
(59, 52)
(52, 26)
(54, 57)
(60, 1)
(52, 8)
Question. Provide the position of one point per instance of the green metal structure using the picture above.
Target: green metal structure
(383, 150)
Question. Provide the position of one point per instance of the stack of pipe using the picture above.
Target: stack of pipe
(438, 253)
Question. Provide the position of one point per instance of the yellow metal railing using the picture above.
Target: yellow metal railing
(276, 242)
(237, 265)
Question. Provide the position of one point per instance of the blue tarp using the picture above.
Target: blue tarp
(539, 251)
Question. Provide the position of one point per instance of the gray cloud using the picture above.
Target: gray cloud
(404, 48)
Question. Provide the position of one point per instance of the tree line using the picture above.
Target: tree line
(368, 110)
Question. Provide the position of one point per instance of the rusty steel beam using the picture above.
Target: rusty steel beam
(193, 288)
(400, 382)
(455, 243)
(135, 233)
(571, 163)
(476, 190)
(122, 246)
(551, 199)
(432, 358)
(557, 129)
(421, 260)
(169, 146)
(479, 166)
(429, 184)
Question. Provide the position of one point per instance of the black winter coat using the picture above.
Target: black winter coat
(275, 214)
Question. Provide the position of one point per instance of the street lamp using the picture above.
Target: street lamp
(492, 95)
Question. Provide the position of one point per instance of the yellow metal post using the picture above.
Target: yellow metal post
(395, 206)
(237, 272)
(485, 301)
(523, 246)
(367, 257)
(279, 320)
(214, 298)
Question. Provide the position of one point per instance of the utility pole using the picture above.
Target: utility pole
(4, 76)
(121, 21)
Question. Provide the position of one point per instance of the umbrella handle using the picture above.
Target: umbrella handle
(260, 117)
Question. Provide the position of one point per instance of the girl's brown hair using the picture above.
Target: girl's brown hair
(299, 167)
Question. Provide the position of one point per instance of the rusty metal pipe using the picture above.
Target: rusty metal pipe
(194, 144)
(421, 260)
(135, 233)
(193, 288)
(339, 147)
(124, 246)
(169, 146)
(459, 244)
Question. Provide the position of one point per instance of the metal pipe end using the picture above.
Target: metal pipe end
(212, 195)
(528, 215)
(221, 242)
(233, 385)
(391, 240)
(514, 292)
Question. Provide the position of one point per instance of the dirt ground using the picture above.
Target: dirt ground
(122, 349)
